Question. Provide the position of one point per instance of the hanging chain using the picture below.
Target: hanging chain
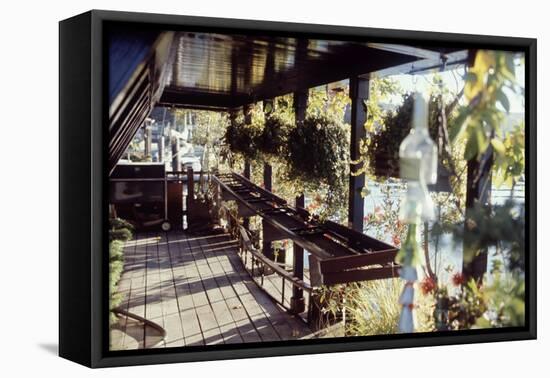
(443, 134)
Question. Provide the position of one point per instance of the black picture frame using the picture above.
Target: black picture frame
(83, 192)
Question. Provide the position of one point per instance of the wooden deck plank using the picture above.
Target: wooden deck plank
(213, 284)
(118, 334)
(224, 317)
(180, 266)
(209, 293)
(197, 289)
(287, 326)
(153, 299)
(256, 314)
(136, 265)
(172, 318)
(255, 327)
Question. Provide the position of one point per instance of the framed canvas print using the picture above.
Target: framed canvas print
(234, 188)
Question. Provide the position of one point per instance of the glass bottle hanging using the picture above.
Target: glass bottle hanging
(418, 165)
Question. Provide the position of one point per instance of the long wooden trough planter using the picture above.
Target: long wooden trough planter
(337, 254)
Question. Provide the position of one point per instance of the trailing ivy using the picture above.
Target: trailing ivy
(242, 138)
(272, 142)
(318, 157)
(383, 146)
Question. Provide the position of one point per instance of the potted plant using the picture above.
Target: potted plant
(383, 147)
(272, 142)
(241, 139)
(318, 157)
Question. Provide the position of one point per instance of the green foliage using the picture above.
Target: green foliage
(505, 302)
(467, 306)
(509, 163)
(498, 225)
(272, 143)
(479, 121)
(372, 307)
(384, 223)
(380, 90)
(120, 234)
(119, 223)
(312, 156)
(210, 128)
(383, 145)
(120, 231)
(241, 139)
(328, 100)
(116, 264)
(318, 157)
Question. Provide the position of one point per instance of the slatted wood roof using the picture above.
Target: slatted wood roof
(227, 71)
(216, 71)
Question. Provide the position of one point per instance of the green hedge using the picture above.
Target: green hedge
(120, 231)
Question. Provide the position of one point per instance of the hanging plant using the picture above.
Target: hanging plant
(273, 140)
(242, 138)
(383, 147)
(318, 157)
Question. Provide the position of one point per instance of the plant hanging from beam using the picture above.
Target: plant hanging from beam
(272, 142)
(242, 137)
(319, 158)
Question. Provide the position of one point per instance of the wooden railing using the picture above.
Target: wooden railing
(263, 270)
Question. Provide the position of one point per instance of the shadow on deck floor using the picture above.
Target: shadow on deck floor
(196, 288)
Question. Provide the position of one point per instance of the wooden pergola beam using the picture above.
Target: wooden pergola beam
(297, 302)
(247, 110)
(268, 185)
(181, 97)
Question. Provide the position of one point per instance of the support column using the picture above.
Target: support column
(161, 148)
(190, 197)
(176, 163)
(268, 185)
(478, 190)
(247, 110)
(297, 304)
(147, 136)
(232, 119)
(359, 92)
(246, 172)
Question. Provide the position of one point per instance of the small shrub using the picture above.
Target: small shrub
(372, 308)
(116, 265)
(120, 231)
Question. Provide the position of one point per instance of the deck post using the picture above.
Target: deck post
(297, 303)
(161, 148)
(247, 110)
(232, 120)
(478, 190)
(359, 92)
(189, 199)
(268, 185)
(176, 164)
(147, 137)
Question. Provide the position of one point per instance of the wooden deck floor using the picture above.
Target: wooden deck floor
(195, 287)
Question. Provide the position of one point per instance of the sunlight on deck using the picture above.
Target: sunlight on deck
(196, 288)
